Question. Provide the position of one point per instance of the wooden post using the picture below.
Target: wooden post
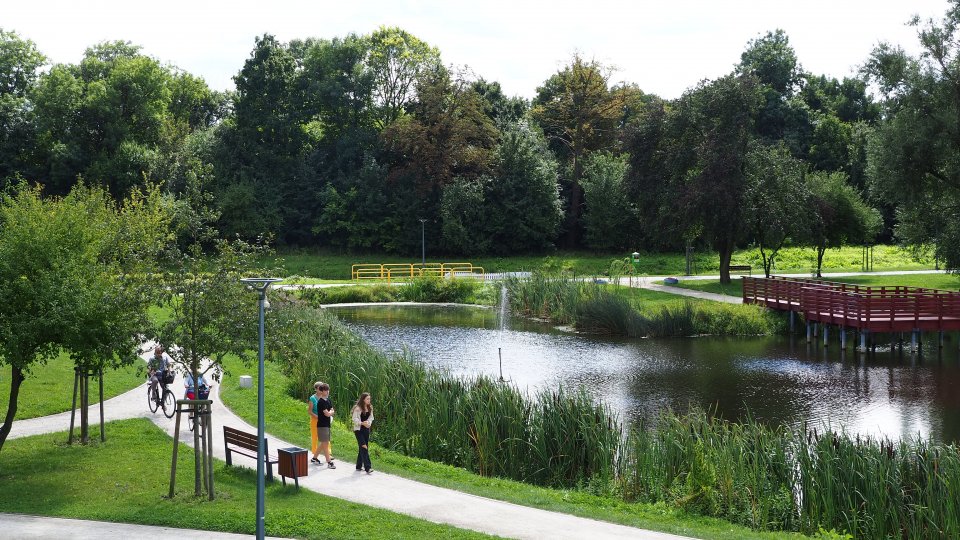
(73, 408)
(843, 338)
(863, 340)
(940, 338)
(176, 446)
(103, 435)
(207, 424)
(84, 405)
(826, 331)
(913, 341)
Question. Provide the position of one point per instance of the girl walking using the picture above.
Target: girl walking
(321, 411)
(362, 420)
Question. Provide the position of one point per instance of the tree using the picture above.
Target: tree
(211, 313)
(398, 61)
(73, 276)
(776, 200)
(608, 216)
(579, 114)
(689, 163)
(914, 155)
(841, 216)
(20, 62)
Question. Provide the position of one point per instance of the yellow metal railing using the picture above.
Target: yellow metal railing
(406, 271)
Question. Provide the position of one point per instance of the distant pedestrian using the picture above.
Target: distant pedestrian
(362, 420)
(321, 411)
(158, 365)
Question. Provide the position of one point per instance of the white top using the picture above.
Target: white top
(356, 419)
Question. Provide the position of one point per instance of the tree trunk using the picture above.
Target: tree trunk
(576, 201)
(767, 262)
(726, 253)
(820, 251)
(16, 378)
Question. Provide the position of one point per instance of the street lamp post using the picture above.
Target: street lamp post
(260, 285)
(423, 245)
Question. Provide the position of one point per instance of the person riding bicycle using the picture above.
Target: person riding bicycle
(158, 366)
(188, 384)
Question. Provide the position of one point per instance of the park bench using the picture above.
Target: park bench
(741, 268)
(244, 443)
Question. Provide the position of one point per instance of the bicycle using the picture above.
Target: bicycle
(165, 399)
(191, 422)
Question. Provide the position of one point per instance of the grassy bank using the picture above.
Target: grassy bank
(605, 309)
(329, 265)
(286, 418)
(49, 388)
(426, 289)
(126, 479)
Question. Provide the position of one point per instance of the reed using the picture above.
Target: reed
(552, 438)
(595, 308)
(768, 478)
(422, 289)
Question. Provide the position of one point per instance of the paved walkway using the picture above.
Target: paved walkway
(381, 490)
(23, 526)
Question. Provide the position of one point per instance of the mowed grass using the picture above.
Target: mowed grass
(325, 266)
(287, 418)
(48, 389)
(126, 479)
(949, 282)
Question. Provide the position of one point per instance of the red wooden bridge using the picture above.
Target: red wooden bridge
(866, 309)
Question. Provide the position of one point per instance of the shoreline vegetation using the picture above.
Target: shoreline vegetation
(764, 477)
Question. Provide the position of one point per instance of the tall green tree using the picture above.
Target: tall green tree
(609, 216)
(840, 215)
(73, 271)
(579, 114)
(914, 155)
(776, 200)
(20, 62)
(398, 60)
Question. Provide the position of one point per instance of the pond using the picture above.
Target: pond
(774, 380)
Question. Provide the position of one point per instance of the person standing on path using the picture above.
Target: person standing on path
(323, 411)
(362, 420)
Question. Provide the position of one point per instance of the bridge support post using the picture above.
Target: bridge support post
(940, 339)
(808, 331)
(913, 341)
(863, 340)
(816, 329)
(792, 317)
(843, 338)
(826, 329)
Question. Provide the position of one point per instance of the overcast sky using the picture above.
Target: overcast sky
(664, 46)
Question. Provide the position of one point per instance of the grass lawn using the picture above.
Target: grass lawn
(49, 388)
(126, 479)
(931, 281)
(336, 266)
(287, 418)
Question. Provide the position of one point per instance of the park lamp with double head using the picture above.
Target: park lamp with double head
(260, 285)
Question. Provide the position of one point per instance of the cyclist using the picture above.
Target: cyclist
(188, 384)
(158, 364)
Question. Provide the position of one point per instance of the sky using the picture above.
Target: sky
(664, 47)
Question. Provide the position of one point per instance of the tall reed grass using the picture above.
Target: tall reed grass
(422, 289)
(769, 478)
(594, 308)
(554, 437)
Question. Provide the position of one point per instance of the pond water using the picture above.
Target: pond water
(775, 380)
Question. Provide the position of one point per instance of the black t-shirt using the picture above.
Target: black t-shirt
(323, 404)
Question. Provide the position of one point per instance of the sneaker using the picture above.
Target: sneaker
(369, 471)
(330, 465)
(359, 469)
(314, 460)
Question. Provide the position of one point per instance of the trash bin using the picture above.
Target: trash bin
(292, 464)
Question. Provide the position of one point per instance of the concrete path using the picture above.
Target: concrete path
(24, 526)
(381, 490)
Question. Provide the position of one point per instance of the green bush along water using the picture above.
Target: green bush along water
(605, 309)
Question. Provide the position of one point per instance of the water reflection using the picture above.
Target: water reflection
(778, 380)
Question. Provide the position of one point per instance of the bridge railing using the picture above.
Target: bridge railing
(391, 272)
(882, 309)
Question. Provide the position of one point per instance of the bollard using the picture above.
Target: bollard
(246, 381)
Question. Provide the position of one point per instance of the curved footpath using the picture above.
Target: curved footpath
(381, 490)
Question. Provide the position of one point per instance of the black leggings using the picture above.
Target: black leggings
(363, 454)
